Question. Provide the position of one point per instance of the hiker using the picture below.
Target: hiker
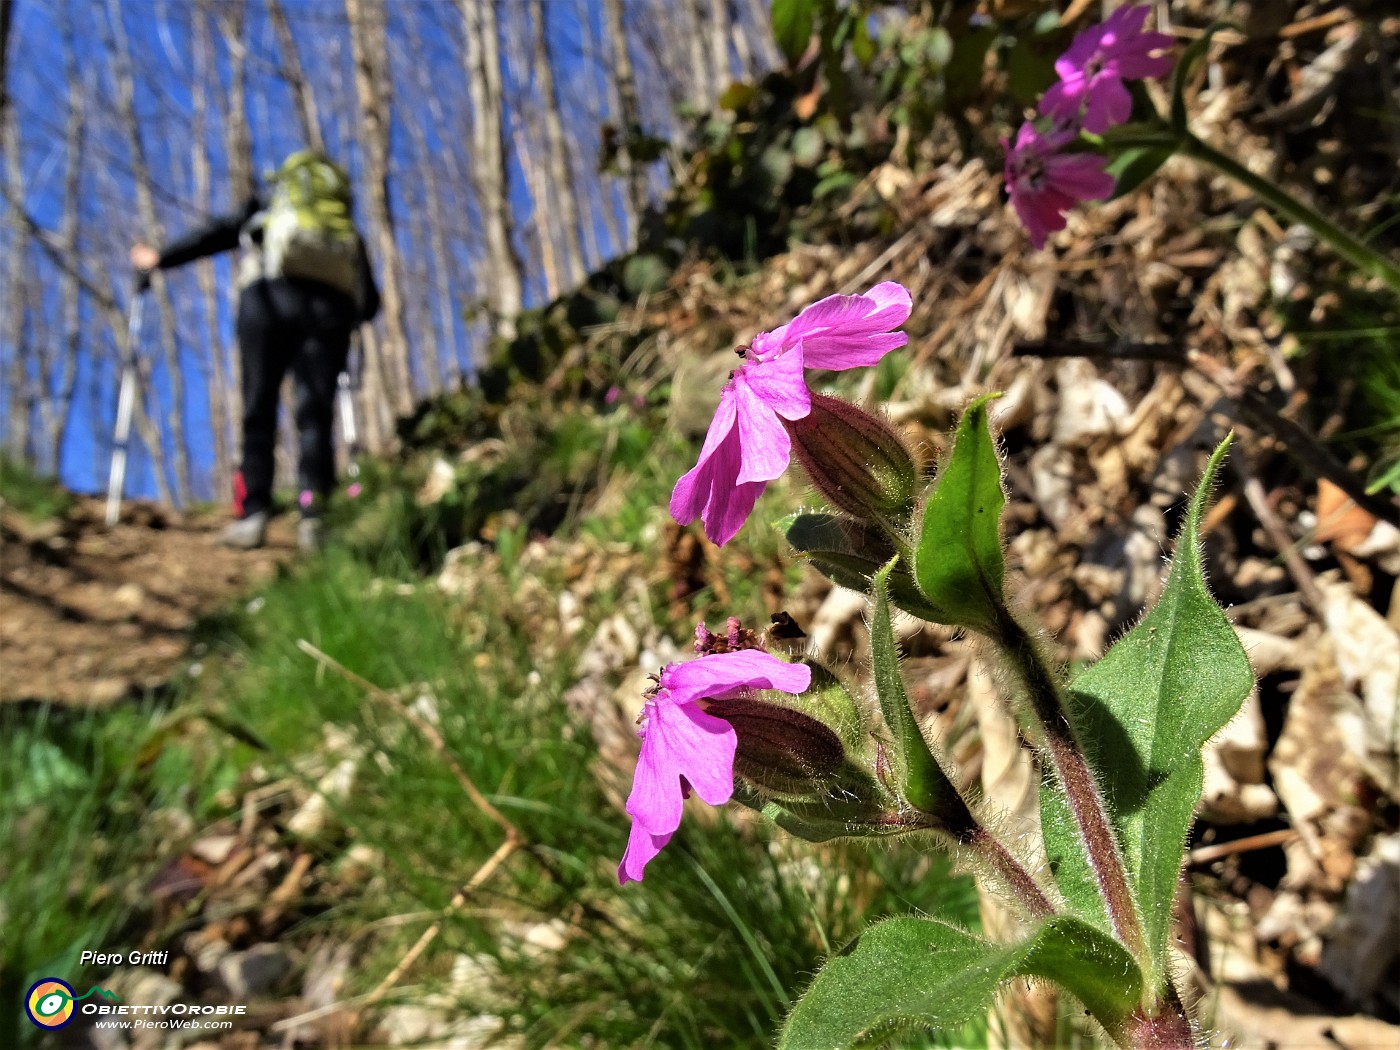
(306, 285)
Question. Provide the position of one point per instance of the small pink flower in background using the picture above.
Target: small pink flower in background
(746, 446)
(354, 490)
(1044, 183)
(614, 392)
(685, 749)
(1100, 59)
(306, 498)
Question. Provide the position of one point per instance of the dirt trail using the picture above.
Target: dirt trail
(89, 614)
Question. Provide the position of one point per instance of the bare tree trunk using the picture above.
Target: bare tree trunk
(218, 385)
(596, 104)
(60, 371)
(697, 35)
(564, 214)
(6, 20)
(632, 174)
(239, 139)
(302, 94)
(525, 131)
(374, 91)
(16, 438)
(418, 300)
(721, 72)
(238, 151)
(146, 207)
(759, 33)
(505, 286)
(439, 253)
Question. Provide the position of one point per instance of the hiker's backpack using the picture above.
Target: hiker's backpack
(307, 228)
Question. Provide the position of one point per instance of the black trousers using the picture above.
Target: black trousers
(286, 324)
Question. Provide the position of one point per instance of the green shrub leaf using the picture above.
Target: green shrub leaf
(1145, 711)
(958, 563)
(792, 26)
(911, 974)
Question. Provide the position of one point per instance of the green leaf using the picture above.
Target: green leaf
(967, 67)
(1135, 166)
(1066, 856)
(958, 564)
(1145, 711)
(921, 781)
(910, 974)
(1030, 64)
(849, 553)
(737, 96)
(792, 26)
(862, 46)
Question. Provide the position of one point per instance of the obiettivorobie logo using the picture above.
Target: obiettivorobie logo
(49, 1003)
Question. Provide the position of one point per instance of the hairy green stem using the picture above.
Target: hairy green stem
(955, 819)
(1045, 693)
(1013, 874)
(1348, 246)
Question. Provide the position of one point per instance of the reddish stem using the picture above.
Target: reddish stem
(1047, 701)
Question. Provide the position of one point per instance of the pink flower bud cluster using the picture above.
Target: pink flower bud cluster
(1044, 180)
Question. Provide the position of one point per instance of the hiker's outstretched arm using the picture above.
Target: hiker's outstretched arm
(217, 235)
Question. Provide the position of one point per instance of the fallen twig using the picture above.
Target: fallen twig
(1258, 501)
(1206, 854)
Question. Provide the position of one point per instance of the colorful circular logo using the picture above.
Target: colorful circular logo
(49, 1003)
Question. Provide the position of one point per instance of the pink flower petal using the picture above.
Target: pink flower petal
(692, 493)
(722, 675)
(852, 331)
(683, 745)
(1080, 176)
(712, 492)
(778, 383)
(746, 445)
(764, 445)
(1108, 104)
(680, 740)
(1140, 62)
(642, 846)
(1064, 98)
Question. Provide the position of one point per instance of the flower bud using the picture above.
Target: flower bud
(781, 750)
(856, 460)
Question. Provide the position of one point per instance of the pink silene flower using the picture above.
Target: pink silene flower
(686, 749)
(1097, 63)
(354, 490)
(746, 446)
(1044, 182)
(306, 498)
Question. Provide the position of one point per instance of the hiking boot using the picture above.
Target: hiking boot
(311, 535)
(245, 533)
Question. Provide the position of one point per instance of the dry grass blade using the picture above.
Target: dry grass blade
(513, 839)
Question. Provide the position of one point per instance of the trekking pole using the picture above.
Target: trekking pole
(345, 397)
(126, 404)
